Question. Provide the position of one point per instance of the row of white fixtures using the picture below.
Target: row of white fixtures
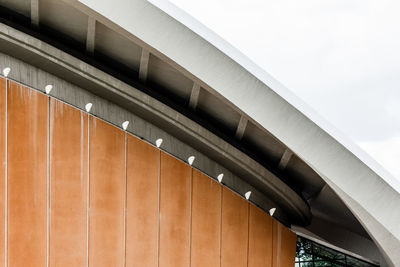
(159, 141)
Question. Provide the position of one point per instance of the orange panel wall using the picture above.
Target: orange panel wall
(2, 166)
(143, 161)
(234, 230)
(107, 194)
(27, 177)
(174, 212)
(68, 179)
(175, 216)
(206, 221)
(260, 238)
(284, 246)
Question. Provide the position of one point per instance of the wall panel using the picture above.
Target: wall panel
(27, 177)
(260, 238)
(175, 215)
(174, 212)
(206, 221)
(107, 194)
(68, 179)
(2, 167)
(284, 246)
(234, 230)
(142, 203)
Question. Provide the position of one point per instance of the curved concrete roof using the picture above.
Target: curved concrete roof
(274, 85)
(159, 63)
(367, 190)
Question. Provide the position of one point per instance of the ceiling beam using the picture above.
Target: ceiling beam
(35, 13)
(194, 96)
(287, 155)
(144, 65)
(91, 35)
(241, 127)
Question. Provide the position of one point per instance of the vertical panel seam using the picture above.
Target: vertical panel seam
(190, 222)
(88, 191)
(48, 181)
(220, 229)
(248, 232)
(6, 184)
(273, 244)
(125, 200)
(278, 250)
(159, 197)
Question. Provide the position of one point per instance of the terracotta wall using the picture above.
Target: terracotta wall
(2, 169)
(27, 196)
(77, 191)
(69, 187)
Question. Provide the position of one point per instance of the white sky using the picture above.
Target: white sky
(342, 57)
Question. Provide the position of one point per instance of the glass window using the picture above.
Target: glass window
(311, 254)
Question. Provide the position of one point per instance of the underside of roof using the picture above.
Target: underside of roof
(211, 110)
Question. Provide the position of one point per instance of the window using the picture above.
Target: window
(311, 254)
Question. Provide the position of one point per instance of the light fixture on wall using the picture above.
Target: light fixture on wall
(272, 211)
(6, 71)
(125, 125)
(48, 88)
(220, 177)
(88, 106)
(159, 142)
(247, 195)
(191, 160)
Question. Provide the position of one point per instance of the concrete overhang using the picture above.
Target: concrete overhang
(253, 125)
(292, 208)
(370, 193)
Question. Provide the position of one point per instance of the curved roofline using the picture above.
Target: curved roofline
(153, 59)
(364, 186)
(240, 58)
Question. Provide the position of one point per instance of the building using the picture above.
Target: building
(133, 136)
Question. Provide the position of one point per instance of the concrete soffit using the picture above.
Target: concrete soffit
(285, 117)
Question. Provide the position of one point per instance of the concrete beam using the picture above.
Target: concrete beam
(194, 96)
(144, 65)
(287, 155)
(91, 35)
(241, 127)
(35, 13)
(385, 240)
(270, 105)
(201, 55)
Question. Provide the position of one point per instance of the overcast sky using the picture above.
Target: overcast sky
(342, 57)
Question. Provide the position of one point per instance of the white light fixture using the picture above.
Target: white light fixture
(88, 107)
(48, 88)
(219, 177)
(247, 195)
(159, 142)
(6, 71)
(272, 211)
(191, 159)
(125, 125)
